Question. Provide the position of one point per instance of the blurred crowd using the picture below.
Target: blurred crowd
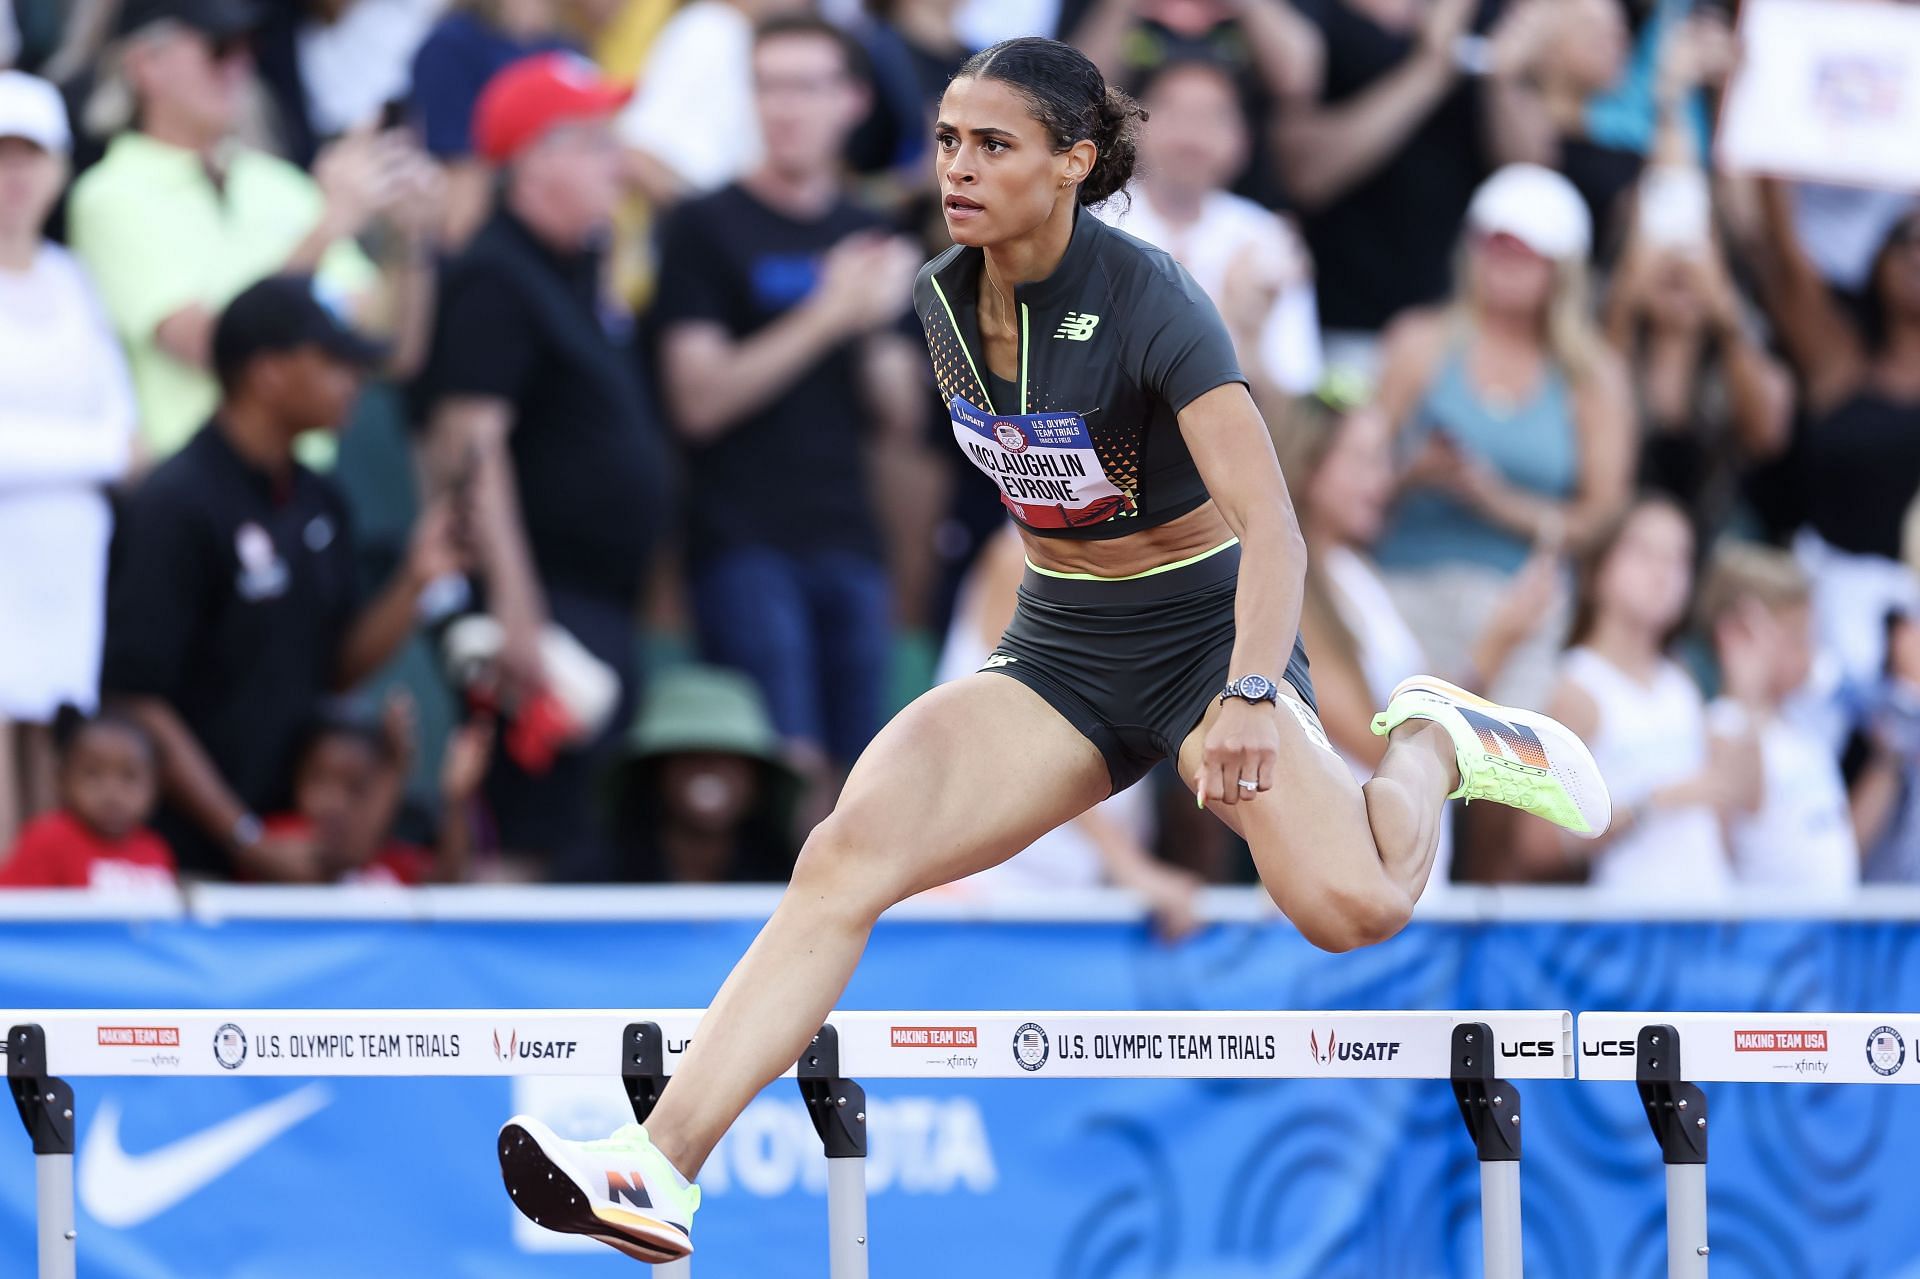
(488, 439)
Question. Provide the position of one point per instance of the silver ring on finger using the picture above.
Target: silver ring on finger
(1247, 785)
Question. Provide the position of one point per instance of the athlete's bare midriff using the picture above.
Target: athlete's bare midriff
(1198, 531)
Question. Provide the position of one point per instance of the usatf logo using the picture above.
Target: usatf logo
(1521, 742)
(1886, 1051)
(1078, 326)
(1347, 1050)
(532, 1049)
(229, 1046)
(1030, 1047)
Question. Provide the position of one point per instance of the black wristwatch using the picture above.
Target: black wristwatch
(1251, 688)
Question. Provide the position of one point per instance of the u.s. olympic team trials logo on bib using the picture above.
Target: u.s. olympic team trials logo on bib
(1010, 437)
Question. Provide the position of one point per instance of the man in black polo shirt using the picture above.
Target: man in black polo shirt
(782, 366)
(534, 405)
(232, 609)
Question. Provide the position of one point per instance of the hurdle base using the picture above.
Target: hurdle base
(1490, 1108)
(45, 1103)
(1677, 1114)
(838, 1108)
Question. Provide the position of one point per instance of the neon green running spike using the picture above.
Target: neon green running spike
(1518, 758)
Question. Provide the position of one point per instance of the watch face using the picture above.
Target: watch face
(1255, 686)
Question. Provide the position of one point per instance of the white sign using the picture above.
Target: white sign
(1827, 90)
(1761, 1048)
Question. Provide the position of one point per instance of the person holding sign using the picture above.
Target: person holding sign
(1090, 379)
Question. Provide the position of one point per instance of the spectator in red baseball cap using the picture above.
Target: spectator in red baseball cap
(534, 405)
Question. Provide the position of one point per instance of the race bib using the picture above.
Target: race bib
(1045, 464)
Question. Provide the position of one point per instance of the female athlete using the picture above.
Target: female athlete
(1093, 381)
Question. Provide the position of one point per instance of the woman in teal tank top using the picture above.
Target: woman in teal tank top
(1515, 433)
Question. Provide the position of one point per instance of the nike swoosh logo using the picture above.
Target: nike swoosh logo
(119, 1189)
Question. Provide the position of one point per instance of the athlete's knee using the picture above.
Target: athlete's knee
(1344, 916)
(844, 862)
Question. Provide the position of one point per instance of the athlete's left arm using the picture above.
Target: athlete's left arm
(1230, 445)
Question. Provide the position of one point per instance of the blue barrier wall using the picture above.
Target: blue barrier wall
(1182, 1180)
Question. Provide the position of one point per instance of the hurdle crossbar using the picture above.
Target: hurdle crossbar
(1479, 1052)
(1667, 1055)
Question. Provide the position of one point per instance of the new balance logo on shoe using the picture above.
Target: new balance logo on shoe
(1521, 742)
(1078, 326)
(630, 1187)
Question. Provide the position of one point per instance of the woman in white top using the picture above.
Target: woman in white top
(1250, 261)
(66, 426)
(1645, 721)
(1337, 454)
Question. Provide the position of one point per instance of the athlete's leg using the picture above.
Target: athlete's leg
(1345, 862)
(962, 779)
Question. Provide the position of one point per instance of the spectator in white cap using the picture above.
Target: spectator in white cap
(66, 420)
(1515, 431)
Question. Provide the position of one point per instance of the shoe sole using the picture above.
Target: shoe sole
(547, 1195)
(1562, 744)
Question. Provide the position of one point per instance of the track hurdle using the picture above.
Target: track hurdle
(1478, 1053)
(1754, 1048)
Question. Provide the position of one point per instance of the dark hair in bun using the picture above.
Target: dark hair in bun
(1072, 99)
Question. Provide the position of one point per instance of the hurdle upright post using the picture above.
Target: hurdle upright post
(643, 1072)
(46, 1108)
(838, 1108)
(1491, 1108)
(1677, 1113)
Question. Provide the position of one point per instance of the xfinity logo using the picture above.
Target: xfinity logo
(1527, 1048)
(1606, 1048)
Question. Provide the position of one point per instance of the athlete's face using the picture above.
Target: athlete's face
(1649, 573)
(999, 176)
(1348, 495)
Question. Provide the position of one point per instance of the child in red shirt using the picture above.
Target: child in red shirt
(347, 789)
(109, 783)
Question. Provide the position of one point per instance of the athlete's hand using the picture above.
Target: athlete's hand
(1242, 745)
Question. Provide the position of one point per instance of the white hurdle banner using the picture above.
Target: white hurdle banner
(1749, 1048)
(1479, 1052)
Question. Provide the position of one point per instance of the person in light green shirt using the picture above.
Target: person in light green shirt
(179, 217)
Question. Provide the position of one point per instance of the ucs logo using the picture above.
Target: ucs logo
(1606, 1048)
(1527, 1048)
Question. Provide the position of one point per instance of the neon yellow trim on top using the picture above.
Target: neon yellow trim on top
(1164, 568)
(1026, 326)
(959, 339)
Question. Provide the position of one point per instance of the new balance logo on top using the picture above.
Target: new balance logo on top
(998, 660)
(1078, 326)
